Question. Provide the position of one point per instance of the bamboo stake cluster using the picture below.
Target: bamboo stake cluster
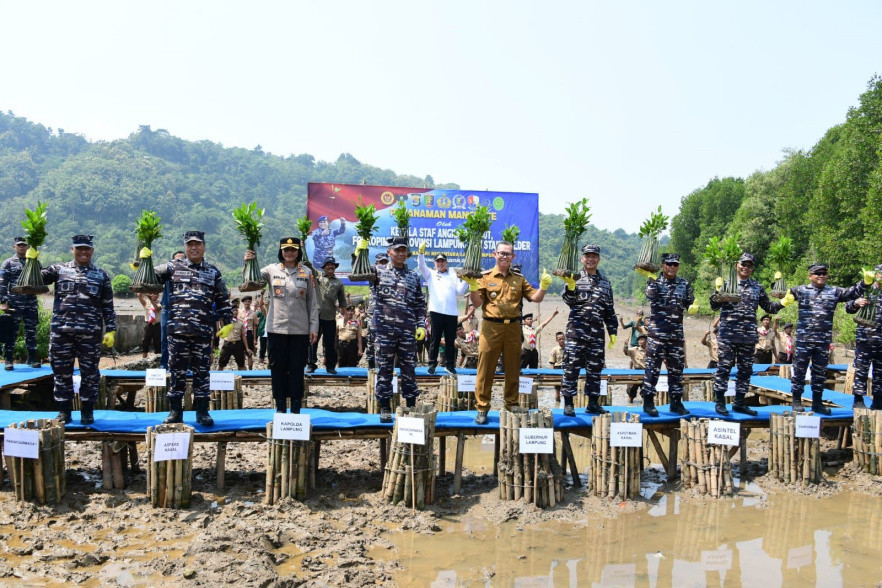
(228, 399)
(531, 477)
(785, 371)
(704, 466)
(169, 482)
(529, 400)
(792, 459)
(410, 470)
(450, 399)
(114, 459)
(709, 395)
(156, 398)
(373, 405)
(849, 380)
(581, 400)
(289, 472)
(615, 471)
(41, 479)
(867, 440)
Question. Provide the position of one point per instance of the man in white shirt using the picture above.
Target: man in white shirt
(444, 289)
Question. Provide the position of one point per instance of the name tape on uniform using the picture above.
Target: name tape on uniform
(662, 384)
(604, 387)
(21, 443)
(155, 377)
(77, 380)
(171, 446)
(536, 440)
(722, 433)
(292, 427)
(718, 560)
(222, 381)
(808, 426)
(525, 385)
(730, 388)
(411, 430)
(626, 434)
(466, 382)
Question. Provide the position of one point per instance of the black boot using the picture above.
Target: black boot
(281, 404)
(296, 405)
(385, 411)
(176, 411)
(202, 416)
(649, 405)
(796, 403)
(720, 406)
(33, 360)
(740, 406)
(87, 415)
(410, 402)
(858, 402)
(10, 363)
(677, 405)
(594, 406)
(818, 404)
(877, 402)
(65, 407)
(569, 410)
(481, 418)
(431, 370)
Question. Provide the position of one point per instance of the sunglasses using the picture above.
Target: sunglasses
(820, 273)
(672, 263)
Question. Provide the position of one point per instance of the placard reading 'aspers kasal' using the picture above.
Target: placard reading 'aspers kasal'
(466, 382)
(536, 440)
(170, 446)
(626, 434)
(222, 381)
(155, 377)
(411, 430)
(525, 385)
(722, 433)
(292, 427)
(21, 443)
(808, 426)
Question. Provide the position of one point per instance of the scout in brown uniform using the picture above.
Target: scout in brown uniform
(349, 339)
(500, 292)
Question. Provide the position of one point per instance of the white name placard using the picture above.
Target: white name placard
(808, 426)
(155, 377)
(716, 561)
(466, 382)
(21, 443)
(536, 440)
(730, 388)
(291, 427)
(394, 384)
(662, 384)
(222, 381)
(525, 385)
(171, 446)
(77, 380)
(411, 430)
(626, 434)
(722, 433)
(604, 387)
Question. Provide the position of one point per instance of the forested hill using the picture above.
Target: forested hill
(828, 200)
(101, 187)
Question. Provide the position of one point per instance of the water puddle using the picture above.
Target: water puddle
(784, 539)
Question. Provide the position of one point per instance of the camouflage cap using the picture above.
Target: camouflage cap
(83, 241)
(194, 236)
(590, 248)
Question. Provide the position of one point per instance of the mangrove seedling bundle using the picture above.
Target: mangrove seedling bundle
(31, 281)
(574, 225)
(866, 316)
(402, 220)
(471, 233)
(511, 233)
(248, 223)
(148, 230)
(649, 262)
(366, 226)
(780, 257)
(723, 255)
(304, 225)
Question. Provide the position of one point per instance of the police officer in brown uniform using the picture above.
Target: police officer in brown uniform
(500, 292)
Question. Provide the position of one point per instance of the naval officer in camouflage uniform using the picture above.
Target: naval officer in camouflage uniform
(590, 299)
(399, 311)
(83, 309)
(382, 261)
(198, 298)
(737, 335)
(814, 332)
(21, 307)
(668, 296)
(868, 350)
(324, 239)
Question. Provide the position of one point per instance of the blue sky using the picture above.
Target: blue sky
(633, 104)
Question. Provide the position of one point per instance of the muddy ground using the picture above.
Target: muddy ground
(338, 535)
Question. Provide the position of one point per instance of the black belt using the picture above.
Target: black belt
(503, 321)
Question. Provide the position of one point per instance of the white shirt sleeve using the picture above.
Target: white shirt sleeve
(424, 269)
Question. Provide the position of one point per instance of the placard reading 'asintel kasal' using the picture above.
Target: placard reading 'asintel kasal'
(170, 446)
(411, 430)
(21, 443)
(722, 433)
(536, 440)
(292, 427)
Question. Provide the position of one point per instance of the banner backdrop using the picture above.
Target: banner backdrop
(435, 215)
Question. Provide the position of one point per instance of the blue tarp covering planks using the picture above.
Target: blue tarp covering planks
(23, 374)
(782, 385)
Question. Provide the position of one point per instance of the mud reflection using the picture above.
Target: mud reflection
(787, 539)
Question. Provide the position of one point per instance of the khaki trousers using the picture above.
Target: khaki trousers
(498, 338)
